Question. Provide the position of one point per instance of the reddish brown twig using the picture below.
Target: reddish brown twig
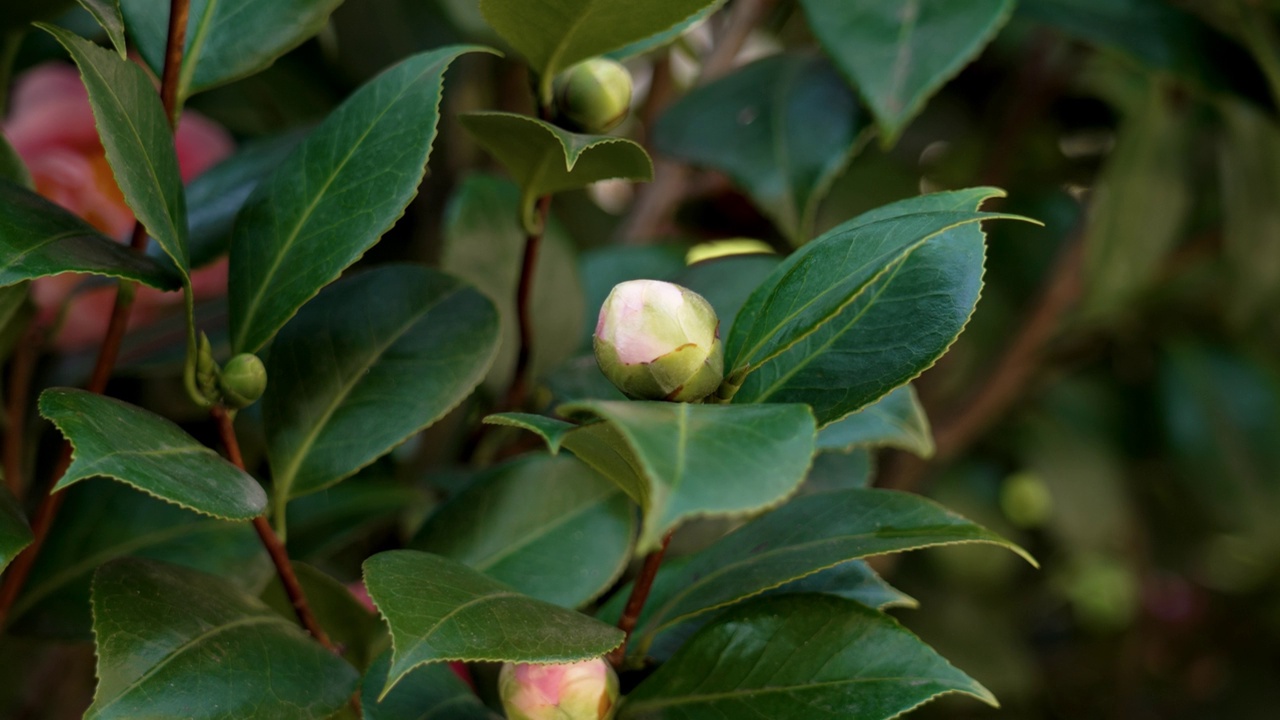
(275, 548)
(21, 373)
(635, 603)
(173, 50)
(520, 382)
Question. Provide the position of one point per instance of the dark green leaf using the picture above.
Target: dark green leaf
(11, 166)
(350, 625)
(107, 13)
(138, 140)
(39, 239)
(798, 657)
(782, 128)
(551, 429)
(439, 610)
(484, 244)
(555, 34)
(226, 39)
(15, 533)
(332, 528)
(835, 470)
(666, 37)
(550, 527)
(678, 460)
(900, 52)
(544, 159)
(101, 520)
(429, 692)
(113, 439)
(895, 420)
(173, 642)
(373, 360)
(807, 535)
(334, 196)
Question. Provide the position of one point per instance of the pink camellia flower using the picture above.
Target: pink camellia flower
(578, 691)
(658, 341)
(51, 127)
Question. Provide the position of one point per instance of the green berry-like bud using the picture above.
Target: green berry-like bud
(658, 341)
(577, 691)
(206, 371)
(594, 95)
(242, 381)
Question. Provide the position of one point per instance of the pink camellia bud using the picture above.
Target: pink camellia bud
(658, 341)
(578, 691)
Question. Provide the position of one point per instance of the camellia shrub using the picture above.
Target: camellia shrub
(331, 485)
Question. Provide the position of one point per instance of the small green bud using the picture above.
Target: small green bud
(242, 381)
(593, 96)
(577, 691)
(658, 341)
(206, 371)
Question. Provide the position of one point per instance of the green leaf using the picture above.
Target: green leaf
(216, 196)
(798, 657)
(896, 420)
(836, 470)
(39, 239)
(807, 535)
(113, 439)
(1249, 164)
(334, 196)
(782, 128)
(429, 692)
(556, 34)
(226, 39)
(107, 13)
(544, 159)
(666, 37)
(727, 282)
(349, 623)
(15, 533)
(174, 642)
(550, 527)
(101, 520)
(679, 461)
(551, 429)
(11, 166)
(900, 52)
(334, 529)
(484, 244)
(439, 610)
(374, 359)
(862, 310)
(138, 140)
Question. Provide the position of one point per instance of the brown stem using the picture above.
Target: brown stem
(16, 575)
(519, 391)
(275, 548)
(635, 604)
(174, 47)
(20, 375)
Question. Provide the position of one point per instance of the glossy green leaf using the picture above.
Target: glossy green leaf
(552, 430)
(900, 52)
(12, 168)
(679, 461)
(896, 420)
(138, 140)
(484, 244)
(805, 536)
(837, 470)
(15, 533)
(666, 37)
(783, 128)
(544, 159)
(351, 625)
(39, 239)
(550, 527)
(113, 439)
(216, 196)
(334, 196)
(226, 39)
(371, 361)
(863, 309)
(107, 13)
(798, 657)
(429, 692)
(552, 35)
(337, 528)
(174, 642)
(101, 520)
(439, 609)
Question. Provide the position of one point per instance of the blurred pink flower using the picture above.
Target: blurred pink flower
(51, 127)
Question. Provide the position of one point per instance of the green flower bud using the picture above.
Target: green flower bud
(594, 95)
(658, 341)
(242, 381)
(577, 691)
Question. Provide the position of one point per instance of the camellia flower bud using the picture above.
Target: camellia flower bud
(658, 341)
(578, 691)
(242, 381)
(594, 95)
